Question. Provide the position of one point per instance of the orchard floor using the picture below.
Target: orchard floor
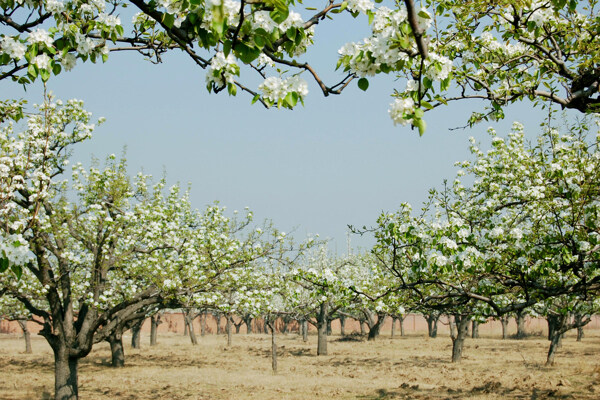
(412, 367)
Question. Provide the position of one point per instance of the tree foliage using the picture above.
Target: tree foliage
(442, 50)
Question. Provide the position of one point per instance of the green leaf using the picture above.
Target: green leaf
(371, 16)
(168, 20)
(280, 11)
(260, 41)
(363, 84)
(32, 70)
(255, 98)
(292, 99)
(246, 53)
(426, 105)
(17, 270)
(45, 74)
(3, 264)
(56, 68)
(291, 33)
(421, 125)
(231, 89)
(226, 47)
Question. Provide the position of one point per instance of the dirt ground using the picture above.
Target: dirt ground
(411, 367)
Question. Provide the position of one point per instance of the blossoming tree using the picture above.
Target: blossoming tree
(442, 50)
(524, 233)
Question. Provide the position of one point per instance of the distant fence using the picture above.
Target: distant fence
(413, 323)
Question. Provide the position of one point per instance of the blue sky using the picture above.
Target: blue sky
(337, 161)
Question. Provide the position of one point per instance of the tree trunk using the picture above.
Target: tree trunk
(229, 330)
(362, 328)
(520, 318)
(238, 326)
(26, 335)
(186, 329)
(322, 329)
(305, 331)
(343, 325)
(136, 330)
(504, 322)
(65, 374)
(266, 326)
(552, 321)
(203, 324)
(432, 324)
(559, 323)
(248, 322)
(393, 326)
(116, 350)
(218, 320)
(189, 322)
(154, 322)
(475, 330)
(284, 327)
(579, 322)
(401, 319)
(273, 348)
(374, 330)
(329, 331)
(374, 324)
(458, 340)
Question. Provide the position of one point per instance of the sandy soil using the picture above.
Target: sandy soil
(412, 367)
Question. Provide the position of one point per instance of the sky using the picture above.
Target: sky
(336, 161)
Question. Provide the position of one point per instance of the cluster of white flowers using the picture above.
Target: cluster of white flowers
(361, 6)
(366, 58)
(424, 22)
(171, 6)
(262, 19)
(438, 67)
(508, 49)
(42, 61)
(14, 48)
(111, 21)
(541, 13)
(231, 11)
(15, 248)
(92, 6)
(68, 61)
(40, 36)
(448, 243)
(85, 45)
(399, 109)
(222, 70)
(436, 258)
(265, 60)
(516, 233)
(55, 6)
(275, 89)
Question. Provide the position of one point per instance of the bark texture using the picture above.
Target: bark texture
(322, 329)
(458, 338)
(520, 318)
(432, 324)
(504, 322)
(116, 350)
(136, 333)
(26, 335)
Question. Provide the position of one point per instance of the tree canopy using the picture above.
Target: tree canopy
(439, 52)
